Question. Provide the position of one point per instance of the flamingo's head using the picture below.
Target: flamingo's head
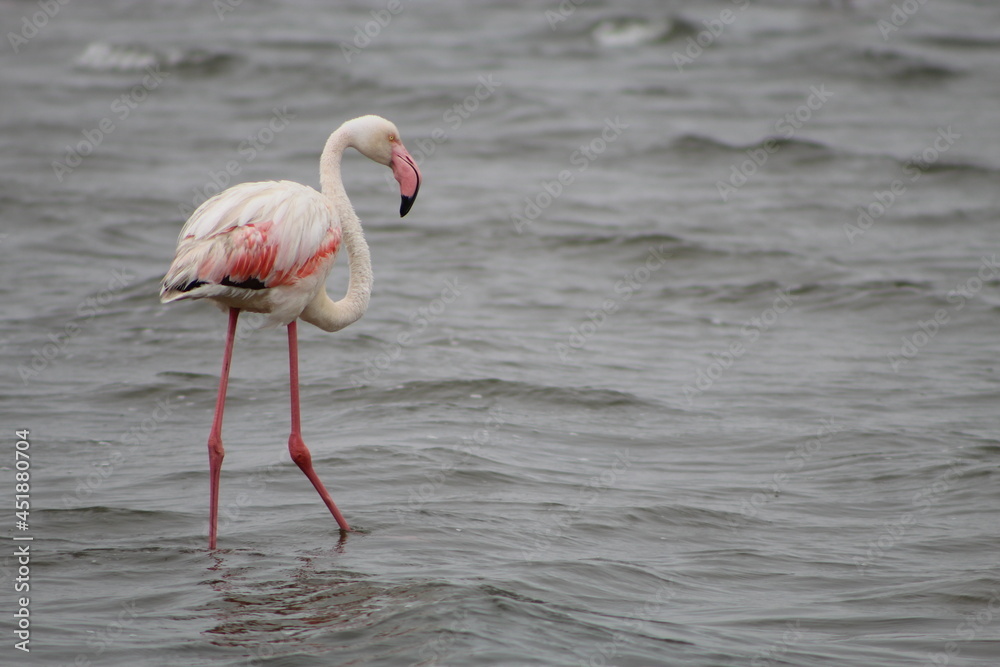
(378, 140)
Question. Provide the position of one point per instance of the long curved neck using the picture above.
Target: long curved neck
(323, 311)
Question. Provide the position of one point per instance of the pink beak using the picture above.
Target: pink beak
(406, 173)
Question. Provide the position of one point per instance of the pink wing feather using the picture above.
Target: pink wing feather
(252, 236)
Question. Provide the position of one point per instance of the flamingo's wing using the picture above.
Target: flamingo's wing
(252, 236)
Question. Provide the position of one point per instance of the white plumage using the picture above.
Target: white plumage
(262, 247)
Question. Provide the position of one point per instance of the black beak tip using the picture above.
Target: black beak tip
(405, 205)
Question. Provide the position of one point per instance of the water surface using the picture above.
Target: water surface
(701, 356)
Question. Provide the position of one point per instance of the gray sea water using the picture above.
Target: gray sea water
(685, 355)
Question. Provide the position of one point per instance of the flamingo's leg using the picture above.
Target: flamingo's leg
(215, 449)
(296, 447)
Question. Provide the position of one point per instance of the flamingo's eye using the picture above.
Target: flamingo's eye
(392, 137)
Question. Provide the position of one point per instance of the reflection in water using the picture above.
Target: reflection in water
(298, 612)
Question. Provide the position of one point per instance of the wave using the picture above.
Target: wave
(102, 56)
(864, 62)
(458, 391)
(960, 41)
(881, 64)
(669, 246)
(876, 293)
(705, 146)
(902, 67)
(944, 166)
(642, 241)
(628, 31)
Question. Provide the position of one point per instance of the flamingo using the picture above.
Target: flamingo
(268, 247)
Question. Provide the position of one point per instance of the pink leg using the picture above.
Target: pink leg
(296, 447)
(215, 450)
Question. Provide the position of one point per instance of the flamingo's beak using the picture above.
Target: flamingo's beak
(406, 173)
